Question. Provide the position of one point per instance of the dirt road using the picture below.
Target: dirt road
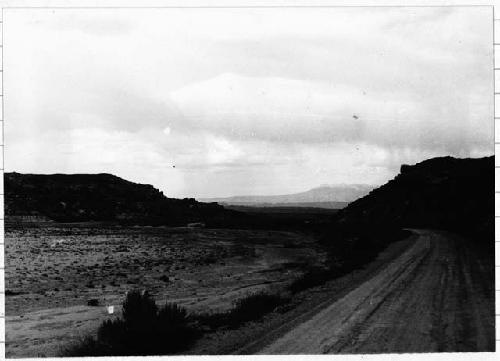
(437, 296)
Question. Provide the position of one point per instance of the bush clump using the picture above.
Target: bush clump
(255, 306)
(93, 302)
(247, 309)
(311, 278)
(144, 329)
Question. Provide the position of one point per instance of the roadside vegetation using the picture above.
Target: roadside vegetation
(251, 308)
(143, 329)
(347, 251)
(147, 329)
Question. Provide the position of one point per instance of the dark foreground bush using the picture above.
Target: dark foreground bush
(254, 307)
(144, 329)
(244, 310)
(311, 278)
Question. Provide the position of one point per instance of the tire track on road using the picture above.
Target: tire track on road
(423, 301)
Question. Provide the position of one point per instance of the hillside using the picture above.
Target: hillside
(326, 196)
(98, 197)
(441, 193)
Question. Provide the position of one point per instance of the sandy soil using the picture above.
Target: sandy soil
(53, 270)
(436, 296)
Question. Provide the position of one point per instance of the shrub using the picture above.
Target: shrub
(246, 309)
(254, 307)
(213, 320)
(144, 329)
(311, 278)
(11, 293)
(88, 346)
(165, 278)
(139, 309)
(92, 302)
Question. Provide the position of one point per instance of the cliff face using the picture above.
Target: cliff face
(97, 197)
(443, 193)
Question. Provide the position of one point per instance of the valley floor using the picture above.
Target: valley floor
(431, 292)
(53, 270)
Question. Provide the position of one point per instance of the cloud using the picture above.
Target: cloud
(293, 111)
(102, 23)
(245, 101)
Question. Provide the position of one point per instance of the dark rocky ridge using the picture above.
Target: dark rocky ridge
(441, 193)
(98, 197)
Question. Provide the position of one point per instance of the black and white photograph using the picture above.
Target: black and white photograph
(280, 180)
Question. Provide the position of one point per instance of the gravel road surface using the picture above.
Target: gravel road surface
(435, 297)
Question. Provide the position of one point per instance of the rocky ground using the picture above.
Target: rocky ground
(52, 271)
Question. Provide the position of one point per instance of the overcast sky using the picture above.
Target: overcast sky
(220, 102)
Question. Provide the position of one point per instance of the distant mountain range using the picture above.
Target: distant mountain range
(325, 196)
